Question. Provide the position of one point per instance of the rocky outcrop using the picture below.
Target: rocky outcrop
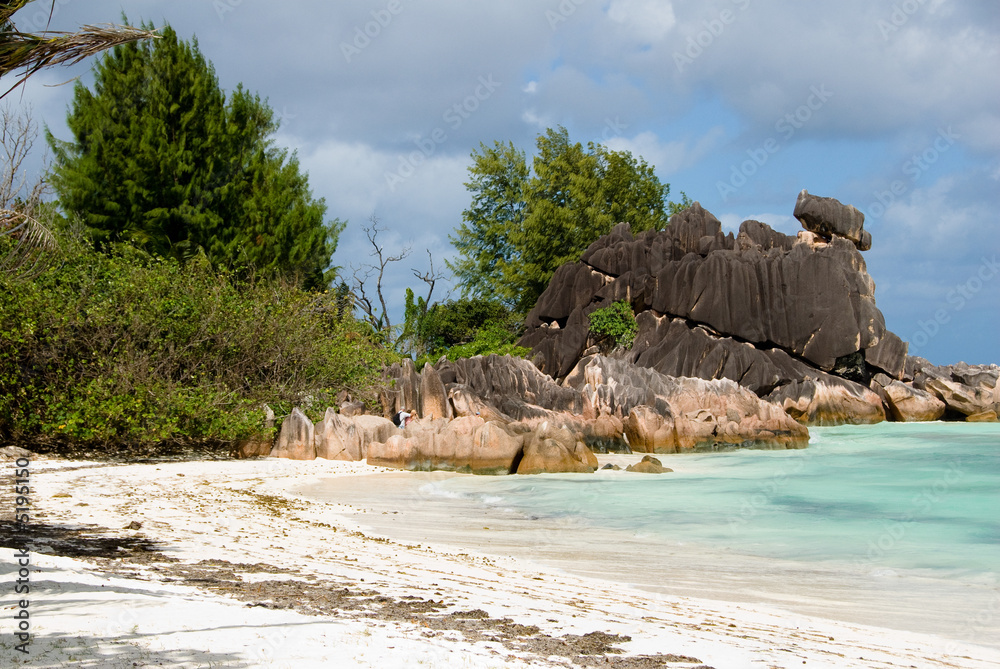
(828, 218)
(904, 403)
(829, 400)
(296, 440)
(814, 301)
(792, 319)
(667, 414)
(555, 449)
(966, 390)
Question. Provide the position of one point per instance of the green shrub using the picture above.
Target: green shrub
(492, 337)
(133, 352)
(615, 324)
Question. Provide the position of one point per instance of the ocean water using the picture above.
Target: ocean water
(896, 525)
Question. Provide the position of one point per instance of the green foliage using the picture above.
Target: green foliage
(161, 160)
(462, 328)
(457, 321)
(677, 207)
(522, 226)
(615, 324)
(133, 351)
(492, 337)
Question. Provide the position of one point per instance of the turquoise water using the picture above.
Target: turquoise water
(896, 525)
(900, 496)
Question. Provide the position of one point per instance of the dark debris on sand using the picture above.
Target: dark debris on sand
(127, 556)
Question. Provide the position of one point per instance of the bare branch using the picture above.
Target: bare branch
(20, 198)
(379, 319)
(430, 278)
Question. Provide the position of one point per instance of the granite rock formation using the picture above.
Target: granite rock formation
(791, 319)
(742, 341)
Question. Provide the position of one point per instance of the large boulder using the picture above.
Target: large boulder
(904, 403)
(552, 449)
(650, 431)
(296, 440)
(648, 465)
(888, 355)
(466, 444)
(338, 438)
(696, 414)
(496, 448)
(829, 400)
(827, 217)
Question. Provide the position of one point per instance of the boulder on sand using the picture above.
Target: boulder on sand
(338, 438)
(551, 449)
(466, 444)
(296, 440)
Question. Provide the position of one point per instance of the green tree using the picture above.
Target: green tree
(159, 158)
(523, 225)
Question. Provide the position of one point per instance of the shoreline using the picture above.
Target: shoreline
(273, 578)
(911, 600)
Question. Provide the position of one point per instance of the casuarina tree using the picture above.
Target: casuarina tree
(160, 158)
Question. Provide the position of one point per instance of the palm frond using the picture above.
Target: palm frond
(7, 9)
(33, 244)
(45, 49)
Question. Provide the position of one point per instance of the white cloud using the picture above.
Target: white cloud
(647, 20)
(668, 157)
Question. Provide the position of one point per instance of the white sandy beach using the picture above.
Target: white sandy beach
(228, 568)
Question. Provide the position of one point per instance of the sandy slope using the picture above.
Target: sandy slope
(227, 569)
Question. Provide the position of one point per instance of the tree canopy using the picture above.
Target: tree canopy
(161, 159)
(523, 224)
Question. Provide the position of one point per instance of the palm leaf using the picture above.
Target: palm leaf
(32, 244)
(33, 51)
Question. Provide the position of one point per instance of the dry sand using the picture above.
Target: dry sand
(217, 564)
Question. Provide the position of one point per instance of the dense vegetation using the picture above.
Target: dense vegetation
(181, 282)
(461, 328)
(160, 159)
(614, 325)
(133, 351)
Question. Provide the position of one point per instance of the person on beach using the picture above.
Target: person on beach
(401, 418)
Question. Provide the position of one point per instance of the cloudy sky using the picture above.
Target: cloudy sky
(891, 106)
